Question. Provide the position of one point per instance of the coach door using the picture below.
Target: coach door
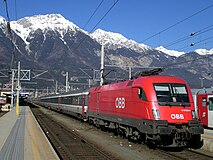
(203, 109)
(210, 111)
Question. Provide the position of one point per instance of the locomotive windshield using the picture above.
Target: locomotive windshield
(170, 94)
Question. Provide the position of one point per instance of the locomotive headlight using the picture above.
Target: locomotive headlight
(156, 113)
(194, 116)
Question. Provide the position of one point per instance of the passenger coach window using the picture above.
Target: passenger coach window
(210, 104)
(141, 94)
(203, 102)
(86, 100)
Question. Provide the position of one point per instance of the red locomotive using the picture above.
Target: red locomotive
(157, 110)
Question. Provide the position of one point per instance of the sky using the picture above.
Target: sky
(152, 22)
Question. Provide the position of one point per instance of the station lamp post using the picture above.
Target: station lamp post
(201, 81)
(66, 81)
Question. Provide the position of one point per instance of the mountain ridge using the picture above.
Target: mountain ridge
(60, 45)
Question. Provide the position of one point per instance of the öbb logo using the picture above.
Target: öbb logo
(177, 116)
(120, 102)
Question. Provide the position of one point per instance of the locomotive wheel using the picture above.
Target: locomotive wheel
(116, 132)
(151, 144)
(103, 128)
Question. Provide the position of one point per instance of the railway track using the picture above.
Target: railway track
(67, 143)
(186, 154)
(63, 137)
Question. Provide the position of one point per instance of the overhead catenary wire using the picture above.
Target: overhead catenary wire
(176, 23)
(11, 36)
(97, 24)
(93, 14)
(7, 12)
(88, 20)
(201, 31)
(192, 60)
(198, 32)
(16, 10)
(192, 34)
(195, 43)
(202, 44)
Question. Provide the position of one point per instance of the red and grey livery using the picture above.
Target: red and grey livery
(156, 110)
(203, 99)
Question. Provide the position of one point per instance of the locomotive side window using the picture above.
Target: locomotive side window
(169, 94)
(141, 94)
(210, 104)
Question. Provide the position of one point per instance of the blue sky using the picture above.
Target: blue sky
(134, 19)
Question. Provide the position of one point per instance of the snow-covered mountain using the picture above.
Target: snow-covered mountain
(116, 40)
(57, 22)
(53, 43)
(54, 22)
(170, 52)
(204, 51)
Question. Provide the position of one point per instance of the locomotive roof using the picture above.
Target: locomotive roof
(144, 80)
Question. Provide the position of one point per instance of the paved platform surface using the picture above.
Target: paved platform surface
(22, 138)
(208, 140)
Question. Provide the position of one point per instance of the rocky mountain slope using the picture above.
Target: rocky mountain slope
(50, 42)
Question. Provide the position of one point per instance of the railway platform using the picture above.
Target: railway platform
(22, 138)
(208, 140)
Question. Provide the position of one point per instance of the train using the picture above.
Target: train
(155, 110)
(72, 103)
(203, 100)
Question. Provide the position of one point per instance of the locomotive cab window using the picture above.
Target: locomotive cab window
(141, 94)
(169, 94)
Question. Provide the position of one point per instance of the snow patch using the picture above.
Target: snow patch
(3, 24)
(204, 51)
(169, 52)
(117, 40)
(54, 22)
(2, 21)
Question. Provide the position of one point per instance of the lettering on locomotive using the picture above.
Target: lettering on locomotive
(177, 116)
(120, 102)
